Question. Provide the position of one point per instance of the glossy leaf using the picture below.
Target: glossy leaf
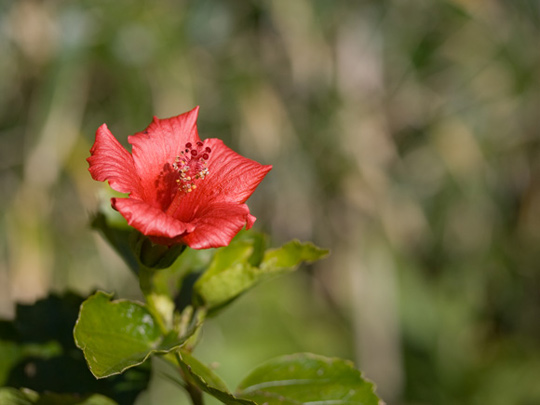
(117, 335)
(307, 378)
(206, 380)
(25, 396)
(238, 267)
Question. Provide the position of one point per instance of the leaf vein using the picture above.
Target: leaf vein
(280, 383)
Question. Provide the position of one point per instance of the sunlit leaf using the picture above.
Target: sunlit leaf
(307, 378)
(241, 265)
(117, 335)
(290, 255)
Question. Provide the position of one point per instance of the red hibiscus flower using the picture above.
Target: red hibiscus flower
(181, 190)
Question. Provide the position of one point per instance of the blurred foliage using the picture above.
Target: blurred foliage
(404, 137)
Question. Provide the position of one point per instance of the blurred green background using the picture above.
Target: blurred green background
(404, 137)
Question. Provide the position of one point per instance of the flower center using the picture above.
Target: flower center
(191, 166)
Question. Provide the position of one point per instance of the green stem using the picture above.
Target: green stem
(146, 282)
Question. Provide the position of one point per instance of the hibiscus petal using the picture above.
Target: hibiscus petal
(174, 200)
(217, 224)
(110, 161)
(151, 221)
(232, 177)
(250, 221)
(155, 150)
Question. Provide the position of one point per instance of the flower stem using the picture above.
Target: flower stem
(146, 281)
(147, 287)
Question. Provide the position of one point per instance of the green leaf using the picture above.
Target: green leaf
(240, 266)
(290, 255)
(40, 339)
(228, 276)
(25, 396)
(206, 380)
(307, 378)
(117, 335)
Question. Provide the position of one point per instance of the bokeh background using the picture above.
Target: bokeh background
(404, 137)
